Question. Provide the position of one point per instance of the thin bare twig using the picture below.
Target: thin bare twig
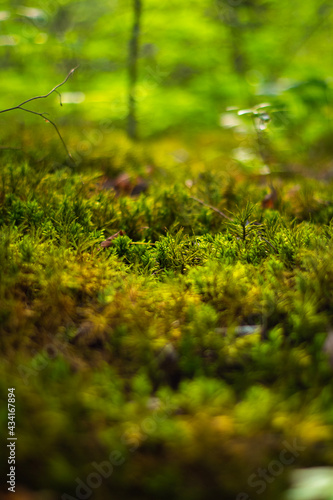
(211, 207)
(270, 244)
(19, 106)
(41, 96)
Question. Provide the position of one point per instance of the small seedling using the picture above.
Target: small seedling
(241, 225)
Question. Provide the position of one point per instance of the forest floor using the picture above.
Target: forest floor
(165, 318)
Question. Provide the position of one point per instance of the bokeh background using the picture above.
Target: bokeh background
(196, 59)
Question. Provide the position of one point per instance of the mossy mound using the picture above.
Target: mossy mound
(182, 358)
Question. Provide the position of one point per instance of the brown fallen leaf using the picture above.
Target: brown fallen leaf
(270, 199)
(106, 243)
(125, 184)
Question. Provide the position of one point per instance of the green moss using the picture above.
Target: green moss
(189, 344)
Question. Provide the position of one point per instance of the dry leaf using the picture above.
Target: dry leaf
(106, 243)
(270, 199)
(125, 184)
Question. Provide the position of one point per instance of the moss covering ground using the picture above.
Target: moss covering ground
(186, 354)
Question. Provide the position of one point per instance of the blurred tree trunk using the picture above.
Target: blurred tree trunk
(133, 69)
(228, 13)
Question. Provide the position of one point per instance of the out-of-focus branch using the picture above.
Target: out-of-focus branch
(43, 115)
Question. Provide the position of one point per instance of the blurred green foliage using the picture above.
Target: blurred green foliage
(189, 347)
(196, 59)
